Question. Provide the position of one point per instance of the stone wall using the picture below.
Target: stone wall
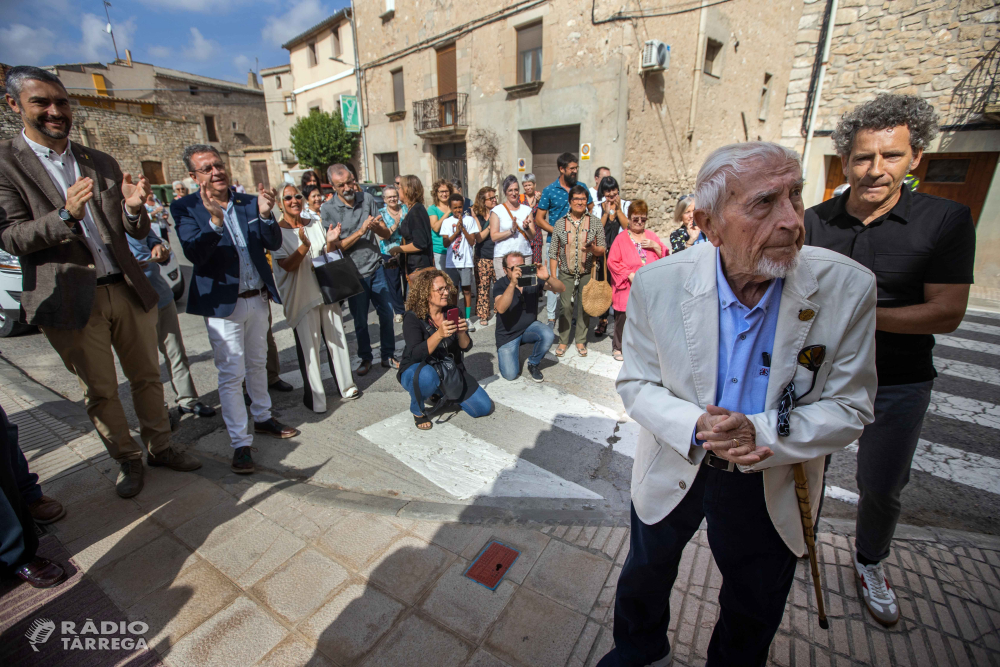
(247, 110)
(930, 49)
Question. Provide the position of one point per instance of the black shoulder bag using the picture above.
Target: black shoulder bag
(451, 381)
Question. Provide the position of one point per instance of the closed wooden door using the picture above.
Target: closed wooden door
(447, 85)
(153, 171)
(259, 170)
(961, 177)
(546, 146)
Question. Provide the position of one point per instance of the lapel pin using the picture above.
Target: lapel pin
(807, 314)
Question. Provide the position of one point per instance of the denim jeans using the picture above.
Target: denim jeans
(509, 354)
(375, 291)
(478, 405)
(394, 280)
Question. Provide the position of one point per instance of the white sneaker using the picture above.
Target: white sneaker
(397, 319)
(877, 593)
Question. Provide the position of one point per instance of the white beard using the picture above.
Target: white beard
(770, 269)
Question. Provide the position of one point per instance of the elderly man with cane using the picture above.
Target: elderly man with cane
(771, 364)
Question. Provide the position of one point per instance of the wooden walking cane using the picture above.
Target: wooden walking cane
(808, 531)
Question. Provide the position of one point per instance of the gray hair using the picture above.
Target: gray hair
(176, 185)
(509, 181)
(885, 111)
(193, 150)
(338, 169)
(528, 178)
(730, 162)
(16, 76)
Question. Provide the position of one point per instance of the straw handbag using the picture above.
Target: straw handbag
(596, 295)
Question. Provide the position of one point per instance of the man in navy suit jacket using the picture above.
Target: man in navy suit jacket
(224, 235)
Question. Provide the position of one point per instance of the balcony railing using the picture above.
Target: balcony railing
(440, 115)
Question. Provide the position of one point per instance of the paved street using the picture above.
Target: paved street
(565, 444)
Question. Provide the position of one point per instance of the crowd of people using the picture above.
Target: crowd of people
(747, 339)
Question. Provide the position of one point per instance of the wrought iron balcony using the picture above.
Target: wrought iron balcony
(441, 115)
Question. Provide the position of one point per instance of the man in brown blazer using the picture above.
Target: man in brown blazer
(65, 210)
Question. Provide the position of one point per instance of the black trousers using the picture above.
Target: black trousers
(757, 572)
(18, 542)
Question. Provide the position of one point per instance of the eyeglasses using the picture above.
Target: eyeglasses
(208, 170)
(291, 197)
(441, 290)
(578, 200)
(490, 197)
(811, 358)
(638, 218)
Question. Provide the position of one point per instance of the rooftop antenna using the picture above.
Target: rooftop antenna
(109, 30)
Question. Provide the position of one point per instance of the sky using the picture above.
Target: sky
(224, 39)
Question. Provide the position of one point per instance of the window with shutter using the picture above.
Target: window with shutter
(529, 53)
(447, 71)
(398, 99)
(100, 84)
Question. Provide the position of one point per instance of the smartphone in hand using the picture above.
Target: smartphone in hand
(452, 314)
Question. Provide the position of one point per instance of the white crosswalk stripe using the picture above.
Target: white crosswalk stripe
(843, 495)
(965, 409)
(976, 327)
(961, 369)
(553, 405)
(466, 466)
(966, 344)
(983, 313)
(955, 465)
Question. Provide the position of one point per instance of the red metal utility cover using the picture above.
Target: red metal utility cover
(492, 564)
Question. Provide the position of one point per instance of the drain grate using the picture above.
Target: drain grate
(492, 564)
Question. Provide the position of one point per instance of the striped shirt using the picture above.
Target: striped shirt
(569, 262)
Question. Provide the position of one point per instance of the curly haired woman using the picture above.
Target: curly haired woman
(428, 335)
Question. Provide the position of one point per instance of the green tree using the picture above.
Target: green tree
(320, 139)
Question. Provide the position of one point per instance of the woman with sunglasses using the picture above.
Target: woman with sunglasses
(486, 199)
(631, 250)
(392, 215)
(315, 323)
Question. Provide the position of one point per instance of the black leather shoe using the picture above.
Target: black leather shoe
(199, 409)
(275, 428)
(242, 461)
(129, 481)
(246, 399)
(41, 573)
(281, 386)
(173, 459)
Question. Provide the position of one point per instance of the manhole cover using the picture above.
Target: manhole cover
(492, 564)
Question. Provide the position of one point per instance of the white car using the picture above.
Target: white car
(10, 295)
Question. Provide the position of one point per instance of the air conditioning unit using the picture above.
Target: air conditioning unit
(655, 56)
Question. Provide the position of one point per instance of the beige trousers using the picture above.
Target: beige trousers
(117, 321)
(323, 325)
(171, 345)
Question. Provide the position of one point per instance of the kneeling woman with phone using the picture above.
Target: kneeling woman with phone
(436, 338)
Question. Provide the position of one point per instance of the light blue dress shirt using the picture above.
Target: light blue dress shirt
(141, 250)
(746, 343)
(249, 278)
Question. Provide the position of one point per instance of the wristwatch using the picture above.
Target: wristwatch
(66, 217)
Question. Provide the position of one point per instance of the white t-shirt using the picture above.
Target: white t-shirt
(517, 242)
(459, 254)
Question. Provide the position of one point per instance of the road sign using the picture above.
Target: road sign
(584, 152)
(521, 164)
(349, 112)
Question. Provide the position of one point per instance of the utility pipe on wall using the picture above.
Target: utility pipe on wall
(366, 175)
(698, 60)
(819, 88)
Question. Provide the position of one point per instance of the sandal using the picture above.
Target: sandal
(617, 354)
(423, 423)
(602, 327)
(581, 350)
(561, 350)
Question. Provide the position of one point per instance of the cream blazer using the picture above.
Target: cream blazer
(671, 349)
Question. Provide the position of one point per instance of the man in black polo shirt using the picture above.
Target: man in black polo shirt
(921, 249)
(517, 308)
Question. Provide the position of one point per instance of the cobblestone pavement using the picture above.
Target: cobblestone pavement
(228, 570)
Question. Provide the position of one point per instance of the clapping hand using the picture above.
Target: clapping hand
(730, 435)
(265, 200)
(135, 194)
(645, 244)
(77, 196)
(303, 238)
(213, 208)
(333, 233)
(159, 253)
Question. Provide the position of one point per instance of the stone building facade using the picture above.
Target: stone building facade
(947, 52)
(470, 90)
(159, 111)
